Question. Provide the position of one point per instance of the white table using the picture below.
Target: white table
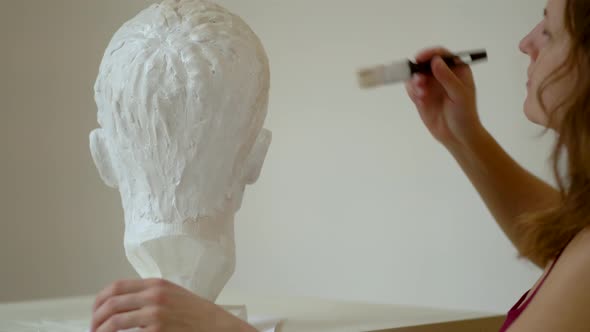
(299, 314)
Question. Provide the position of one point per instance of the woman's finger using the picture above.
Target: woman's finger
(427, 54)
(410, 89)
(123, 321)
(117, 305)
(119, 288)
(453, 86)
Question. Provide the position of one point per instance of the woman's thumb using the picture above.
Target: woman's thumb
(450, 82)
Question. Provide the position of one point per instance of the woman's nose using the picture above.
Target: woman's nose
(527, 44)
(523, 46)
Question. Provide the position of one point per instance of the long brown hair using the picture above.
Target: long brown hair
(545, 233)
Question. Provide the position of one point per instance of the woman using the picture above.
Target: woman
(548, 226)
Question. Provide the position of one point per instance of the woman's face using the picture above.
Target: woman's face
(547, 45)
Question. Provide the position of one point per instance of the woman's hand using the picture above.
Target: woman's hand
(446, 101)
(157, 305)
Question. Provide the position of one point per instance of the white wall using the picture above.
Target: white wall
(356, 201)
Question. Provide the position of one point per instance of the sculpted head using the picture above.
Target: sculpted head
(182, 95)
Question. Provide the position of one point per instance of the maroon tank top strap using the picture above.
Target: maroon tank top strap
(526, 303)
(519, 307)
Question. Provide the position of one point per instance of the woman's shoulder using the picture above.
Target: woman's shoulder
(579, 246)
(561, 303)
(574, 262)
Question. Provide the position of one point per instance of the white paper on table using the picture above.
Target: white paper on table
(45, 326)
(265, 324)
(262, 324)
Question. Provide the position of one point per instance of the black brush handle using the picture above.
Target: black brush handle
(461, 58)
(426, 67)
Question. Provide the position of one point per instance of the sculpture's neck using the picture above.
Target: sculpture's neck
(206, 228)
(198, 255)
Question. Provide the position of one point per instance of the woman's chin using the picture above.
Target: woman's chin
(534, 114)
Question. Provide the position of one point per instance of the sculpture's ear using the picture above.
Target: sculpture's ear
(102, 158)
(257, 156)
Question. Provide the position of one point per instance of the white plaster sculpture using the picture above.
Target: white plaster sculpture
(182, 95)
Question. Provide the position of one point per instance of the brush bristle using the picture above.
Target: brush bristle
(382, 75)
(370, 77)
